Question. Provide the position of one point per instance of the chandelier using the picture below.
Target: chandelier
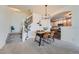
(46, 16)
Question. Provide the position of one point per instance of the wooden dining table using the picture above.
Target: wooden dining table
(40, 34)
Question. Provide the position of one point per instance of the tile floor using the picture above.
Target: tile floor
(14, 45)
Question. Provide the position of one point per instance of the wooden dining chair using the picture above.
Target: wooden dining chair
(45, 35)
(45, 38)
(52, 35)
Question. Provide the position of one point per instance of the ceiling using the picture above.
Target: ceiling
(40, 9)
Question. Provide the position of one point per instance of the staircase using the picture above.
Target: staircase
(26, 27)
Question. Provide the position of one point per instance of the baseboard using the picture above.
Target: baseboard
(15, 33)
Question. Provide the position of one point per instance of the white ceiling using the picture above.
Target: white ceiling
(40, 9)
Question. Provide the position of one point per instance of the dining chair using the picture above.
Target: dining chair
(52, 35)
(45, 38)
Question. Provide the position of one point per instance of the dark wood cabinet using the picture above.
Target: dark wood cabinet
(57, 33)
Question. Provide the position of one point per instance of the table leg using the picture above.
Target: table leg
(35, 38)
(53, 39)
(40, 42)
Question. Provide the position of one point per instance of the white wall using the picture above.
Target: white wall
(4, 24)
(72, 34)
(67, 34)
(75, 22)
(8, 18)
(17, 20)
